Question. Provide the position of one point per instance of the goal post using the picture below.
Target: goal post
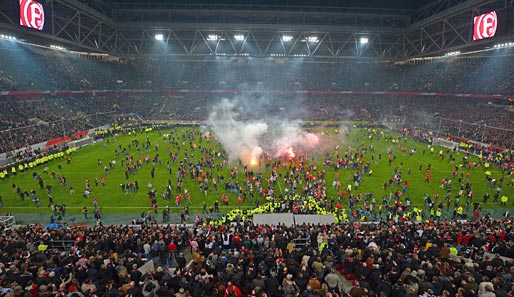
(445, 143)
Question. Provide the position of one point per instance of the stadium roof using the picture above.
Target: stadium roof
(378, 6)
(370, 4)
(392, 29)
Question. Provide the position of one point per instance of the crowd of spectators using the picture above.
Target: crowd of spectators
(443, 258)
(56, 70)
(488, 122)
(446, 258)
(26, 122)
(32, 120)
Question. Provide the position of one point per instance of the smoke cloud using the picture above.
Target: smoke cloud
(248, 140)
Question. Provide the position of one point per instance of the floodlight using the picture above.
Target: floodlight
(364, 40)
(239, 37)
(312, 39)
(212, 37)
(287, 38)
(452, 54)
(56, 47)
(159, 36)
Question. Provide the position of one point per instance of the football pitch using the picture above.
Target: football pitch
(162, 152)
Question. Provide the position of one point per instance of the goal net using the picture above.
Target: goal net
(445, 143)
(81, 142)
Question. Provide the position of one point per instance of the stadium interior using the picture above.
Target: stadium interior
(427, 82)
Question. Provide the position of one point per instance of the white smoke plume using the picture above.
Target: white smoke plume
(240, 140)
(248, 140)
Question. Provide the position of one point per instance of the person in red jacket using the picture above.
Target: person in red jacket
(232, 290)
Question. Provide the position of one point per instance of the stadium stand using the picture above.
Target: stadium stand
(47, 96)
(447, 258)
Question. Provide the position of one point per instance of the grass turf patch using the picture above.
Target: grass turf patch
(84, 165)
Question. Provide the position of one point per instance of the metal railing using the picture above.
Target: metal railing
(7, 221)
(61, 244)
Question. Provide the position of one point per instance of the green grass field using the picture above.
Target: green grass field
(84, 165)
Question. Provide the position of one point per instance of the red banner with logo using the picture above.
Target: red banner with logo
(32, 14)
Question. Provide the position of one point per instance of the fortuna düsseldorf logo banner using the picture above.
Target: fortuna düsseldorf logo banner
(485, 25)
(32, 14)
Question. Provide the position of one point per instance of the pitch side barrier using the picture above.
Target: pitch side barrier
(490, 256)
(83, 138)
(289, 219)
